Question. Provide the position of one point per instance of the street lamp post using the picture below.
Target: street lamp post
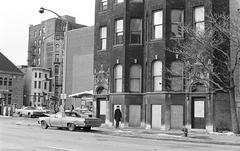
(63, 95)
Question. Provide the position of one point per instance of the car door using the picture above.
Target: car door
(56, 120)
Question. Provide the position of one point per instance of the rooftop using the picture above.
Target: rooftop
(7, 66)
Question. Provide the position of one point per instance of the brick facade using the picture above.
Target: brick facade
(147, 108)
(11, 84)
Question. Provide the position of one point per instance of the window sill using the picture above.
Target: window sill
(101, 50)
(136, 2)
(115, 4)
(139, 44)
(176, 38)
(158, 39)
(117, 45)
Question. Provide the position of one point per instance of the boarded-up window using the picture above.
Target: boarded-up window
(177, 76)
(135, 78)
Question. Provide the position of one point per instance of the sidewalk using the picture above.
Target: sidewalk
(227, 138)
(175, 135)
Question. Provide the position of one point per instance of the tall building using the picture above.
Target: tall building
(79, 63)
(11, 84)
(131, 58)
(46, 48)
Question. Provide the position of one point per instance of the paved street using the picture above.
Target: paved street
(20, 137)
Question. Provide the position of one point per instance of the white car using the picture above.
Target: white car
(30, 112)
(70, 120)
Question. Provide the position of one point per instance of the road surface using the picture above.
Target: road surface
(14, 137)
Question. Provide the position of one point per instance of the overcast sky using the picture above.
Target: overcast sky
(17, 15)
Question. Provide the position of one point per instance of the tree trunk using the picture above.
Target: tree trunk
(235, 125)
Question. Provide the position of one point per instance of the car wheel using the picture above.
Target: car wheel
(29, 115)
(87, 128)
(44, 125)
(71, 127)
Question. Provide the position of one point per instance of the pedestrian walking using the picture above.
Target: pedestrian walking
(72, 108)
(117, 116)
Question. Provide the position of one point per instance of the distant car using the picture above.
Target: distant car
(45, 109)
(84, 111)
(70, 120)
(30, 112)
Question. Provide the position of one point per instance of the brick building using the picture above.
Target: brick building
(11, 84)
(46, 47)
(130, 62)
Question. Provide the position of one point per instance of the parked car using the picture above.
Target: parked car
(45, 109)
(70, 120)
(30, 112)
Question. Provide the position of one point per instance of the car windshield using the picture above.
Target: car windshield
(72, 114)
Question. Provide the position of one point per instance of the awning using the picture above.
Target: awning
(81, 94)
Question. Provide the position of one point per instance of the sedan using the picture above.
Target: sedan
(30, 112)
(70, 120)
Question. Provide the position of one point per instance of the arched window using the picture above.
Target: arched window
(135, 78)
(157, 75)
(5, 81)
(177, 76)
(1, 80)
(118, 78)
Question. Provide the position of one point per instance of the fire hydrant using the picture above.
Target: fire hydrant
(185, 132)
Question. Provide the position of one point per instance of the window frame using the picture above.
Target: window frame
(178, 23)
(116, 33)
(141, 31)
(56, 69)
(10, 82)
(118, 78)
(9, 98)
(155, 76)
(39, 97)
(5, 81)
(45, 85)
(40, 32)
(35, 85)
(1, 81)
(198, 22)
(57, 58)
(102, 39)
(157, 25)
(103, 5)
(39, 84)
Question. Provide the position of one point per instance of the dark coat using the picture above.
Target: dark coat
(117, 115)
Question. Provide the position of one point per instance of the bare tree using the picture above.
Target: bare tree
(216, 49)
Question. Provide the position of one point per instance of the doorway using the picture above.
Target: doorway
(102, 109)
(156, 116)
(198, 113)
